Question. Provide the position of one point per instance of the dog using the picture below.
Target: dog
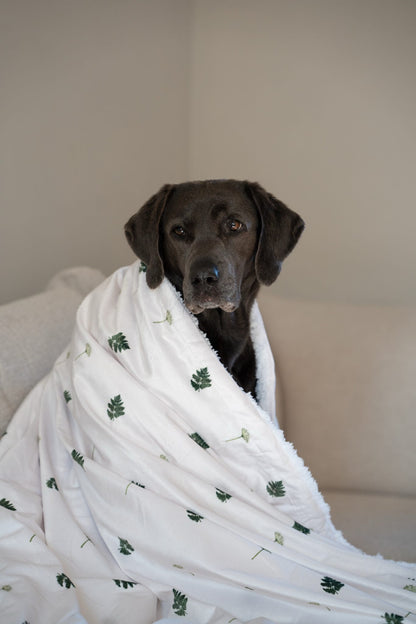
(216, 241)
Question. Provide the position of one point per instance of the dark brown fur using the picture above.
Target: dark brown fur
(217, 241)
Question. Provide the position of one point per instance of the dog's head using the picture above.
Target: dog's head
(212, 238)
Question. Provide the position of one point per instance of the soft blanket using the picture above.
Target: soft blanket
(140, 483)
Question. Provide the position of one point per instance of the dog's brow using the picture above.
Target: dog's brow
(218, 208)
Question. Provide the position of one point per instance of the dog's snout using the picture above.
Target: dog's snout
(208, 285)
(203, 273)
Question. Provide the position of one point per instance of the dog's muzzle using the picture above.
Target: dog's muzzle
(207, 287)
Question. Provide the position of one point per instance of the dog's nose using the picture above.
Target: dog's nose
(204, 272)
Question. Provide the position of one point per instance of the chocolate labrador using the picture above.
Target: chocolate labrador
(216, 241)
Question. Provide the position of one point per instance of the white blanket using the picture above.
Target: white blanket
(140, 483)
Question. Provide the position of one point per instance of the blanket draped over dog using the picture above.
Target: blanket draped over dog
(140, 483)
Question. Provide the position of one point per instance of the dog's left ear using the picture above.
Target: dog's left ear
(279, 233)
(142, 233)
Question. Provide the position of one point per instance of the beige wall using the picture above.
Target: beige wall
(105, 100)
(93, 118)
(316, 99)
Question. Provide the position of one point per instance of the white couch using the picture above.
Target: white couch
(346, 396)
(347, 401)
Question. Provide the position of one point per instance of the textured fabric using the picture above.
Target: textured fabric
(347, 375)
(33, 331)
(140, 482)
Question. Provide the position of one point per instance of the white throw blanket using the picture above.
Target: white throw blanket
(140, 483)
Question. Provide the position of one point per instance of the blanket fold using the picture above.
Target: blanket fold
(139, 483)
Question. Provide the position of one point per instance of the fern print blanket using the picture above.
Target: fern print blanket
(140, 484)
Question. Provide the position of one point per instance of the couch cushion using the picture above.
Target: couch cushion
(33, 332)
(376, 523)
(348, 380)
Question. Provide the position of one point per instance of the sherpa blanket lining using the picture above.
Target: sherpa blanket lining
(139, 483)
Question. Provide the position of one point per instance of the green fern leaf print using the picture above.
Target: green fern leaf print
(51, 483)
(278, 537)
(276, 488)
(64, 581)
(180, 602)
(222, 496)
(392, 618)
(7, 504)
(330, 585)
(115, 408)
(301, 528)
(125, 548)
(194, 516)
(201, 379)
(124, 584)
(118, 342)
(197, 438)
(67, 396)
(142, 267)
(411, 588)
(78, 458)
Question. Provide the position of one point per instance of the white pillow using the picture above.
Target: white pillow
(34, 331)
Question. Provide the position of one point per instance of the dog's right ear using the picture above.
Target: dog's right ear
(142, 233)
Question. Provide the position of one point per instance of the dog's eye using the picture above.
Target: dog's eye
(235, 225)
(179, 231)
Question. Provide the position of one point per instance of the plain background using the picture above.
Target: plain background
(104, 101)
